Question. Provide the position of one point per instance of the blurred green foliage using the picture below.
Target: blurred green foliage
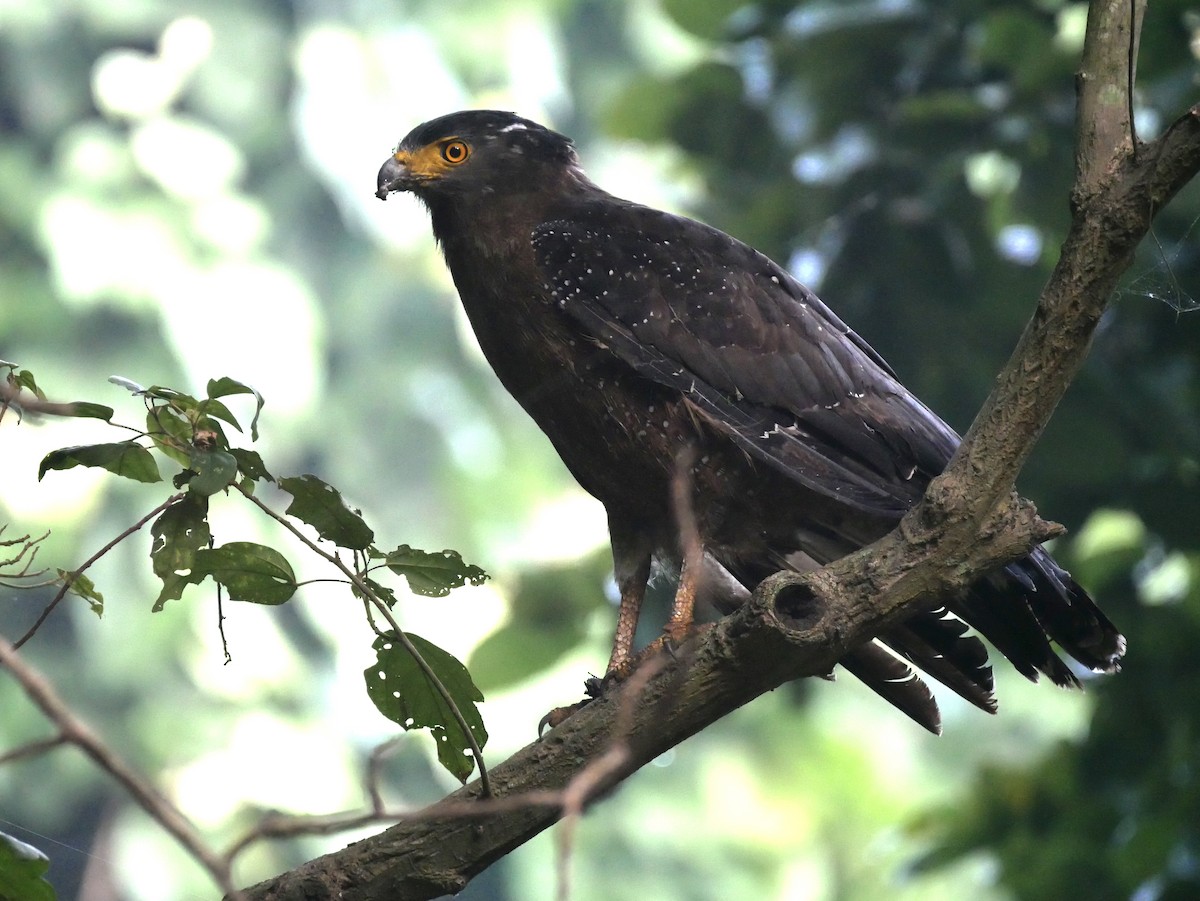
(187, 192)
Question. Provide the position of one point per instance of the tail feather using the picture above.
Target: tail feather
(1023, 607)
(896, 682)
(937, 643)
(1004, 617)
(1071, 617)
(1023, 610)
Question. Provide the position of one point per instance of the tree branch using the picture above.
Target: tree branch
(74, 731)
(969, 522)
(66, 586)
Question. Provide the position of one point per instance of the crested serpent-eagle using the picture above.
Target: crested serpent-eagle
(636, 339)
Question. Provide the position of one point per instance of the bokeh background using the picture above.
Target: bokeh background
(186, 192)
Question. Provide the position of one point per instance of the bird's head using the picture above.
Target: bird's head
(475, 152)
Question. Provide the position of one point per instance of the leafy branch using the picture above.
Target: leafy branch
(412, 682)
(379, 680)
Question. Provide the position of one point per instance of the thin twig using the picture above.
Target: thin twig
(281, 826)
(367, 592)
(28, 546)
(33, 749)
(375, 769)
(583, 786)
(66, 586)
(685, 514)
(277, 825)
(221, 624)
(39, 690)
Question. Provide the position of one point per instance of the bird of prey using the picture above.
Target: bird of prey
(635, 338)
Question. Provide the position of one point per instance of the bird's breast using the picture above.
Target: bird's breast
(617, 432)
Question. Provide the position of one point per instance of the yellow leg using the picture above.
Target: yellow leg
(683, 610)
(678, 627)
(632, 586)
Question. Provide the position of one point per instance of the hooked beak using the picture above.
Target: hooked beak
(393, 176)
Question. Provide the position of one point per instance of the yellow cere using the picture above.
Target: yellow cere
(434, 159)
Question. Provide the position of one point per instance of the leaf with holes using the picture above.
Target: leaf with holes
(433, 575)
(250, 572)
(250, 465)
(321, 506)
(404, 694)
(178, 533)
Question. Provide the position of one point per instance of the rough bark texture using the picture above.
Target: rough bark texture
(798, 625)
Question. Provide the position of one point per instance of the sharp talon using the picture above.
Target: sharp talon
(560, 715)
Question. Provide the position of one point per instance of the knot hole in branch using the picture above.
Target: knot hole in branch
(799, 606)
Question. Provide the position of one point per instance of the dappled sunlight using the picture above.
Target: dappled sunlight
(136, 85)
(260, 763)
(102, 252)
(351, 106)
(217, 320)
(187, 159)
(62, 497)
(566, 527)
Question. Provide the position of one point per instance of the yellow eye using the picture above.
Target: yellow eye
(455, 152)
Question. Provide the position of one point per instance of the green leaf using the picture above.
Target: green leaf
(177, 535)
(384, 593)
(23, 378)
(125, 458)
(22, 872)
(84, 410)
(177, 399)
(405, 695)
(250, 572)
(321, 506)
(214, 471)
(225, 386)
(433, 575)
(218, 410)
(171, 433)
(251, 465)
(79, 584)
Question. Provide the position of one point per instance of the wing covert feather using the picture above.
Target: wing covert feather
(759, 355)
